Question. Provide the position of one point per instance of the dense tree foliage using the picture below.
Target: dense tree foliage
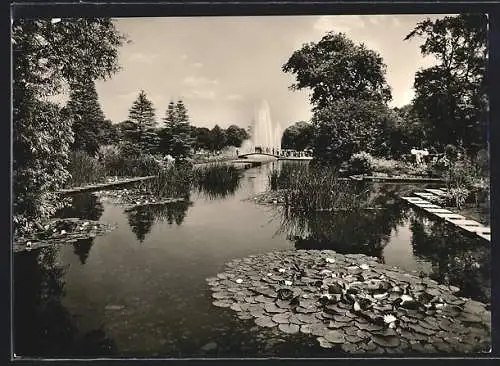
(336, 68)
(451, 96)
(218, 138)
(299, 136)
(87, 115)
(235, 135)
(348, 127)
(46, 56)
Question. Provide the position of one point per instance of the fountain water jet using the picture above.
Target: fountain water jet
(265, 133)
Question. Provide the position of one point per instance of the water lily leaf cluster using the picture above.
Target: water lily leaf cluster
(62, 231)
(351, 303)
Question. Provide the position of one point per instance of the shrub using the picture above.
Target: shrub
(361, 163)
(41, 145)
(85, 169)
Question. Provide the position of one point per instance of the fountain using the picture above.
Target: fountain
(265, 135)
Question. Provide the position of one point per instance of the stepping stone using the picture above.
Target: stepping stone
(464, 223)
(452, 217)
(485, 236)
(439, 211)
(436, 192)
(480, 229)
(426, 205)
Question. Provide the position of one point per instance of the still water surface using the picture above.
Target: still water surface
(141, 291)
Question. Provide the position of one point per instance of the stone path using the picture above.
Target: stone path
(420, 200)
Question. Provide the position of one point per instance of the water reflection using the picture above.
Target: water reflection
(43, 326)
(456, 258)
(453, 257)
(85, 206)
(142, 219)
(218, 181)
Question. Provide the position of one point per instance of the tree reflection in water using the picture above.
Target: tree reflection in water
(457, 259)
(84, 205)
(142, 219)
(43, 327)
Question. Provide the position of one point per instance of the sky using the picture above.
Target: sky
(224, 67)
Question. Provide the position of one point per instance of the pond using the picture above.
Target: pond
(141, 291)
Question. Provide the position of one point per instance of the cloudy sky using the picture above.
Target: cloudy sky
(223, 67)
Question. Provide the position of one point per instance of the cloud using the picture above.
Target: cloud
(387, 20)
(203, 94)
(197, 64)
(194, 80)
(339, 23)
(184, 57)
(142, 58)
(234, 97)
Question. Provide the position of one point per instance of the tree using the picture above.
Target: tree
(108, 133)
(236, 135)
(142, 116)
(450, 97)
(88, 117)
(175, 137)
(46, 56)
(298, 136)
(219, 139)
(336, 68)
(348, 127)
(203, 138)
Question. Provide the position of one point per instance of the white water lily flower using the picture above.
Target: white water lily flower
(330, 260)
(239, 280)
(440, 306)
(389, 318)
(281, 270)
(63, 232)
(326, 296)
(392, 325)
(28, 244)
(380, 296)
(357, 307)
(288, 283)
(269, 275)
(406, 298)
(46, 227)
(364, 266)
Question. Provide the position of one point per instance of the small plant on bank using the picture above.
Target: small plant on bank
(361, 163)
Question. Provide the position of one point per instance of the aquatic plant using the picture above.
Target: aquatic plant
(172, 182)
(351, 303)
(217, 180)
(310, 189)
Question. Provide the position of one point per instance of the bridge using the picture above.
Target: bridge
(256, 153)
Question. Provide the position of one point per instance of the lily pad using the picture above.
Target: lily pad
(289, 328)
(265, 321)
(335, 337)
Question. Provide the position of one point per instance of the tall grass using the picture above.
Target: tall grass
(173, 182)
(217, 180)
(85, 170)
(315, 189)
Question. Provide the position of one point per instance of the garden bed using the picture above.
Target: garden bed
(61, 231)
